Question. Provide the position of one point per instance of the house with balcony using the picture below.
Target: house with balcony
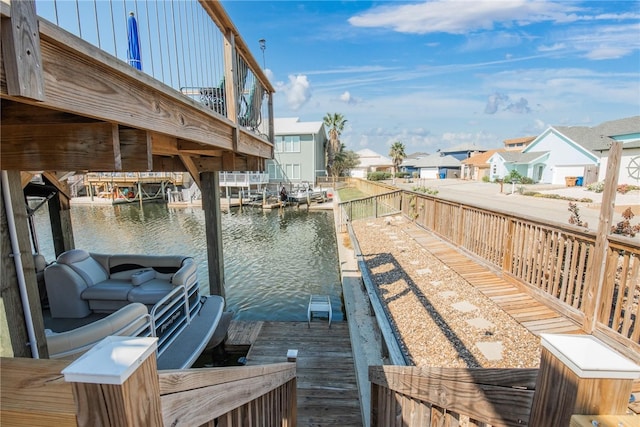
(299, 155)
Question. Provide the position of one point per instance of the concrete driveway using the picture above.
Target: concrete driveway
(490, 196)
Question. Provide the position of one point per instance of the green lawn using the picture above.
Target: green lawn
(350, 193)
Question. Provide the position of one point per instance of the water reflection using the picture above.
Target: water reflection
(273, 260)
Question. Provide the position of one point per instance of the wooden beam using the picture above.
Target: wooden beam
(188, 147)
(164, 145)
(82, 79)
(25, 178)
(62, 187)
(80, 146)
(21, 51)
(135, 150)
(192, 168)
(168, 164)
(229, 161)
(247, 144)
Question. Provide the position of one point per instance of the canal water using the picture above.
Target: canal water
(273, 260)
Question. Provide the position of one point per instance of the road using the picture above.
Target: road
(489, 195)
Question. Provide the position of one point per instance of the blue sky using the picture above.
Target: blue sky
(437, 74)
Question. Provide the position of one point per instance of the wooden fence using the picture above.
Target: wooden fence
(551, 260)
(34, 393)
(411, 396)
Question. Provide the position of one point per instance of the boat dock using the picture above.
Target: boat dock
(327, 390)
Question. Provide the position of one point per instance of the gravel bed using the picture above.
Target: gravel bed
(441, 319)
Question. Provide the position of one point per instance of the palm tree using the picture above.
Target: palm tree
(397, 155)
(335, 123)
(344, 161)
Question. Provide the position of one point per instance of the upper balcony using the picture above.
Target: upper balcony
(76, 95)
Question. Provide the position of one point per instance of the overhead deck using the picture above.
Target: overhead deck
(69, 106)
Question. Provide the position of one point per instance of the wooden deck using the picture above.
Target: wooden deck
(529, 312)
(327, 388)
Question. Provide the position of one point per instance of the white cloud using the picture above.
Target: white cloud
(349, 99)
(297, 91)
(448, 16)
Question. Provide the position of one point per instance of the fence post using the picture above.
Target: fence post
(116, 383)
(593, 291)
(507, 259)
(580, 375)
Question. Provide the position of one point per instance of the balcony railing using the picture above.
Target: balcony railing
(186, 45)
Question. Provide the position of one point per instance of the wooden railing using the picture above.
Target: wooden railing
(551, 260)
(369, 207)
(34, 393)
(233, 397)
(410, 396)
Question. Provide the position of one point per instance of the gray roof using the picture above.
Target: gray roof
(520, 157)
(416, 155)
(619, 127)
(597, 138)
(436, 160)
(469, 146)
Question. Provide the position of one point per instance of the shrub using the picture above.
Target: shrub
(486, 179)
(526, 180)
(426, 190)
(624, 227)
(402, 174)
(596, 187)
(574, 218)
(378, 176)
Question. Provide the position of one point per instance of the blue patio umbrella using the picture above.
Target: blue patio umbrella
(133, 53)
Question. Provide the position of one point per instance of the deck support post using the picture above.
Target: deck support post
(60, 218)
(210, 182)
(13, 327)
(116, 384)
(580, 375)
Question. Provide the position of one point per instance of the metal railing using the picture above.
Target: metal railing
(180, 44)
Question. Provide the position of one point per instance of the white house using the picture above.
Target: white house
(571, 151)
(370, 161)
(626, 131)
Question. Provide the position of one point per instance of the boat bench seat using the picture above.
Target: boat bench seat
(80, 283)
(129, 320)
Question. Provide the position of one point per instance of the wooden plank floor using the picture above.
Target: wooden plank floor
(533, 315)
(326, 378)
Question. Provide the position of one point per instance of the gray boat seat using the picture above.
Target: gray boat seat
(80, 283)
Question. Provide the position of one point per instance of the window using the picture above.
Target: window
(287, 144)
(288, 171)
(292, 170)
(275, 171)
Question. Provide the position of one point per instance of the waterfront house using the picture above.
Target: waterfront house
(298, 152)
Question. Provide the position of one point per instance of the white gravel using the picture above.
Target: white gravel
(442, 320)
